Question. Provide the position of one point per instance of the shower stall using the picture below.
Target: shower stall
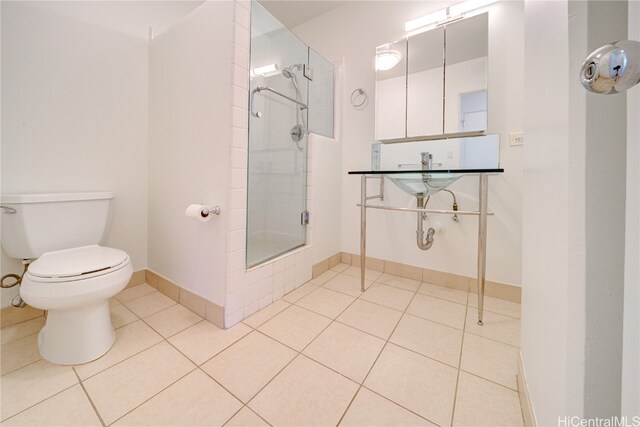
(291, 88)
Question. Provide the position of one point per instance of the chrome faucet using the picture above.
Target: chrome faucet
(427, 160)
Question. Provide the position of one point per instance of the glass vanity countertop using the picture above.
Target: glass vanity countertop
(422, 183)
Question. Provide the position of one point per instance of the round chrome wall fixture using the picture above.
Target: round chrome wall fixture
(359, 98)
(612, 68)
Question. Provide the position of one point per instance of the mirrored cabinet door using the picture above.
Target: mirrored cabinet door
(425, 84)
(466, 75)
(391, 90)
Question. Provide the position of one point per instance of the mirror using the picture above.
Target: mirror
(391, 90)
(476, 152)
(466, 75)
(434, 83)
(425, 80)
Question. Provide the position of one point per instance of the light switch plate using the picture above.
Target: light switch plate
(516, 138)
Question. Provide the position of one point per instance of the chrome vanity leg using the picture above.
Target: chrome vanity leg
(363, 228)
(482, 243)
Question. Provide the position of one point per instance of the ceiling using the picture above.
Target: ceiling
(295, 12)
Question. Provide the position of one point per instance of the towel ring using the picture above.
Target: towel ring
(359, 95)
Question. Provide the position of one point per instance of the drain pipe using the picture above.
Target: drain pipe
(420, 232)
(17, 280)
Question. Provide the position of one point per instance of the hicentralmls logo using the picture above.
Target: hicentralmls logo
(576, 421)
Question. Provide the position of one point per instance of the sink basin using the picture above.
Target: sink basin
(423, 184)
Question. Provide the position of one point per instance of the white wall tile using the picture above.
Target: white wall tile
(236, 240)
(237, 219)
(251, 308)
(242, 36)
(234, 301)
(240, 77)
(233, 318)
(239, 137)
(235, 261)
(235, 281)
(242, 16)
(241, 56)
(266, 300)
(239, 97)
(239, 117)
(237, 199)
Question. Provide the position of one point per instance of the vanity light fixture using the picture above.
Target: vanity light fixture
(387, 60)
(450, 13)
(264, 71)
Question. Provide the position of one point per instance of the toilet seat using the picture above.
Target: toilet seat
(77, 264)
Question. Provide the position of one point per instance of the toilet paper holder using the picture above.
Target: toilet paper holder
(208, 210)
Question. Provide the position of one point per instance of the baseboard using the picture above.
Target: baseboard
(441, 278)
(528, 415)
(137, 278)
(13, 315)
(209, 310)
(326, 264)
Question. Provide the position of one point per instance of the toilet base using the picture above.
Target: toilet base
(76, 336)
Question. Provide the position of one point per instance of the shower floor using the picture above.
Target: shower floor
(401, 353)
(265, 245)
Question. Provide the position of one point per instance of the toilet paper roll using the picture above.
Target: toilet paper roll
(201, 213)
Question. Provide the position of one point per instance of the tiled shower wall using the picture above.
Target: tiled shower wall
(247, 291)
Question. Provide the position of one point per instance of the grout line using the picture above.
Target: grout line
(2, 421)
(93, 405)
(455, 393)
(146, 400)
(515, 390)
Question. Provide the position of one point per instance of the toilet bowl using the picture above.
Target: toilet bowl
(75, 285)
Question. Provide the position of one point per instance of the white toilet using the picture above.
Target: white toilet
(72, 277)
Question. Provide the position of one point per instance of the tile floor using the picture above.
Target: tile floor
(401, 353)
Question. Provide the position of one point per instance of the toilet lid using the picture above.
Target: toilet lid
(77, 261)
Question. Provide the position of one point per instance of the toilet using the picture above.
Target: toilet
(72, 276)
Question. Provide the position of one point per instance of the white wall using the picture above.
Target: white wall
(74, 104)
(573, 220)
(343, 33)
(325, 166)
(189, 134)
(631, 349)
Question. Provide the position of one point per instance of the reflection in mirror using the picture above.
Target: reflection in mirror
(477, 152)
(391, 93)
(466, 75)
(425, 84)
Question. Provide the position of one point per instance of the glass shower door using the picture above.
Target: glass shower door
(276, 191)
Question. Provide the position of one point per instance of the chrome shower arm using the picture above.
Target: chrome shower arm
(302, 105)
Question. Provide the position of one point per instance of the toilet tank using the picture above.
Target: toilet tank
(33, 224)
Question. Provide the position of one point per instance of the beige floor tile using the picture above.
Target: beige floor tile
(496, 305)
(19, 353)
(372, 318)
(246, 418)
(130, 339)
(346, 350)
(431, 339)
(339, 268)
(505, 329)
(172, 320)
(418, 383)
(295, 327)
(483, 403)
(195, 400)
(204, 340)
(305, 393)
(296, 294)
(266, 313)
(321, 279)
(452, 295)
(33, 384)
(490, 360)
(326, 302)
(135, 292)
(121, 316)
(438, 310)
(371, 409)
(126, 385)
(371, 275)
(346, 284)
(391, 297)
(399, 282)
(21, 330)
(249, 364)
(149, 304)
(69, 408)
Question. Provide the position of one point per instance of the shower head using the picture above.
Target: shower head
(612, 68)
(288, 72)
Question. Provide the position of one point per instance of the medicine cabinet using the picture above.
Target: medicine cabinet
(434, 84)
